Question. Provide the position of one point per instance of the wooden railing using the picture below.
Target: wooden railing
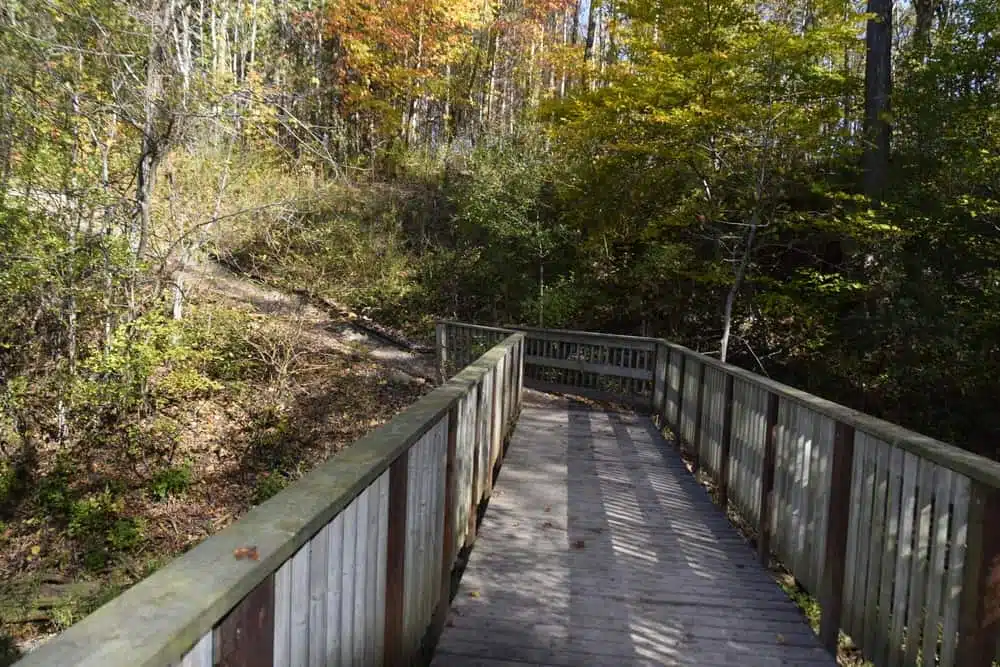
(351, 565)
(599, 366)
(895, 533)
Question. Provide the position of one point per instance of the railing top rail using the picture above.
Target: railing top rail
(597, 336)
(160, 618)
(478, 327)
(962, 461)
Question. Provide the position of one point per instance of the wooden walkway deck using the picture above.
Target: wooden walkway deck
(599, 548)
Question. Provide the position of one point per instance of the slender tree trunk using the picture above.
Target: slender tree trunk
(588, 52)
(253, 35)
(878, 90)
(924, 10)
(734, 290)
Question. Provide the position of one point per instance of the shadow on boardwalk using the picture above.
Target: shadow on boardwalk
(599, 548)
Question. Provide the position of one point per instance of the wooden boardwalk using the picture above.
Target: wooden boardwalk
(599, 548)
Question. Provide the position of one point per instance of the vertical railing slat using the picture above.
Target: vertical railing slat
(943, 481)
(959, 502)
(904, 557)
(319, 561)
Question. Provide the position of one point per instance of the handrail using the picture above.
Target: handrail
(960, 460)
(342, 566)
(897, 534)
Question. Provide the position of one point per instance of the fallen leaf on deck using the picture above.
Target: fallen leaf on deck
(781, 639)
(474, 594)
(246, 552)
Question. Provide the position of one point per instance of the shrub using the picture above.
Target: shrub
(170, 481)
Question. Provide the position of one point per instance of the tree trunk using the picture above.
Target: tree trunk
(878, 89)
(925, 10)
(741, 271)
(588, 51)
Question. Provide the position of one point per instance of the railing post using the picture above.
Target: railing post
(767, 481)
(441, 348)
(831, 593)
(699, 411)
(246, 635)
(979, 614)
(660, 382)
(726, 445)
(680, 401)
(396, 655)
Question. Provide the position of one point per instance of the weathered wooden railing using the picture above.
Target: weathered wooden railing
(351, 565)
(896, 534)
(600, 366)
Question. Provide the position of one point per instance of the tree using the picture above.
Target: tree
(878, 92)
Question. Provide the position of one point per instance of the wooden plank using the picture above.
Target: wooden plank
(726, 441)
(246, 636)
(334, 584)
(826, 432)
(785, 448)
(979, 621)
(867, 504)
(395, 563)
(448, 552)
(795, 507)
(590, 367)
(957, 543)
(943, 480)
(202, 653)
(600, 549)
(441, 347)
(319, 562)
(593, 394)
(854, 562)
(380, 561)
(699, 410)
(370, 600)
(591, 338)
(416, 535)
(837, 536)
(660, 381)
(678, 425)
(473, 498)
(767, 482)
(736, 453)
(876, 546)
(889, 554)
(904, 557)
(920, 569)
(360, 578)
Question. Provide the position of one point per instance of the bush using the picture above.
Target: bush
(170, 481)
(269, 484)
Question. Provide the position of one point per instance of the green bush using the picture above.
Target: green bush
(96, 522)
(170, 481)
(269, 484)
(54, 494)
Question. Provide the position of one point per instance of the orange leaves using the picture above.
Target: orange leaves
(246, 553)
